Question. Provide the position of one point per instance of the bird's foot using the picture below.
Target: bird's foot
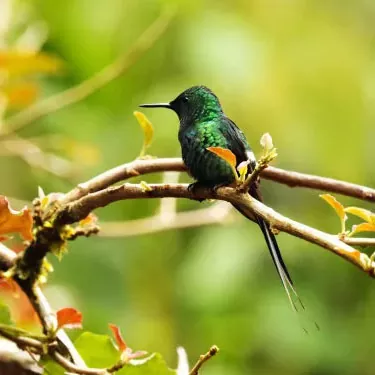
(193, 189)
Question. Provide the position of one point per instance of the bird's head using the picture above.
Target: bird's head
(198, 103)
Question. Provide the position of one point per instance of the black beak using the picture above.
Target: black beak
(157, 105)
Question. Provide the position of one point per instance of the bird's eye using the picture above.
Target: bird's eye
(185, 99)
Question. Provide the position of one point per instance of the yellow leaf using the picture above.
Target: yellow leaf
(362, 213)
(148, 130)
(23, 63)
(225, 154)
(242, 169)
(338, 207)
(12, 221)
(20, 95)
(145, 186)
(363, 227)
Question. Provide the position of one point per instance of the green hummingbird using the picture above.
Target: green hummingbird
(203, 124)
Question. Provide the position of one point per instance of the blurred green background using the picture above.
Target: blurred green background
(301, 70)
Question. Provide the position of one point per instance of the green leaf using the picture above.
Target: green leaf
(50, 366)
(152, 365)
(97, 350)
(5, 317)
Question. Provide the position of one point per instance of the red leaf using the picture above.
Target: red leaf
(69, 318)
(118, 338)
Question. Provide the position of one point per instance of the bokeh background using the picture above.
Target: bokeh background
(303, 71)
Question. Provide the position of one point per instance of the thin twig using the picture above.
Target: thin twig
(297, 179)
(218, 213)
(356, 241)
(93, 84)
(35, 157)
(204, 358)
(71, 367)
(40, 305)
(21, 341)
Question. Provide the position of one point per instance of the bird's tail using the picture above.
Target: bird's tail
(281, 268)
(277, 260)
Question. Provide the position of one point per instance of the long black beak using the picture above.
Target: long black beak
(157, 105)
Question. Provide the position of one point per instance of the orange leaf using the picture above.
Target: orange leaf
(12, 221)
(362, 213)
(118, 338)
(69, 318)
(90, 219)
(338, 207)
(225, 154)
(20, 95)
(22, 63)
(363, 227)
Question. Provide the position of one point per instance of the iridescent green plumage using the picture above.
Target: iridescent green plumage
(203, 124)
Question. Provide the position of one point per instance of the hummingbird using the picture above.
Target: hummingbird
(203, 124)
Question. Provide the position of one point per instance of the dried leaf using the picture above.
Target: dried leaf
(69, 318)
(224, 154)
(338, 207)
(12, 221)
(363, 227)
(362, 213)
(148, 131)
(23, 63)
(118, 338)
(266, 142)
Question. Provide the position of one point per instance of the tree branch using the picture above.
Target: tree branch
(40, 305)
(204, 358)
(218, 213)
(91, 85)
(79, 209)
(145, 166)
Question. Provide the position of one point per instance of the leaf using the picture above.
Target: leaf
(338, 207)
(242, 169)
(97, 350)
(148, 130)
(363, 227)
(118, 338)
(362, 213)
(50, 366)
(266, 142)
(69, 318)
(12, 221)
(5, 314)
(23, 63)
(21, 94)
(224, 154)
(151, 365)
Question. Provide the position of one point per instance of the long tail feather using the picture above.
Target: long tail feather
(278, 261)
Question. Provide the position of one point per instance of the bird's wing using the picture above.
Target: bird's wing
(237, 142)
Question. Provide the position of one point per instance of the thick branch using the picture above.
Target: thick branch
(40, 305)
(81, 208)
(290, 178)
